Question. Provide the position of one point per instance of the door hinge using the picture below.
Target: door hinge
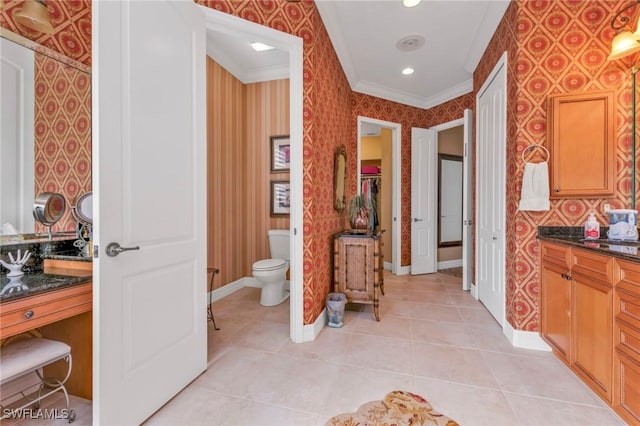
(295, 231)
(96, 251)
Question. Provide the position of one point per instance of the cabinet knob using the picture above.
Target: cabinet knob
(28, 314)
(557, 189)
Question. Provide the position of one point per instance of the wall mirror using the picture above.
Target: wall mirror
(46, 121)
(449, 200)
(340, 177)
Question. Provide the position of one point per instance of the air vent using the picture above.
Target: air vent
(410, 43)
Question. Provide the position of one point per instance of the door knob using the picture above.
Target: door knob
(114, 249)
(415, 219)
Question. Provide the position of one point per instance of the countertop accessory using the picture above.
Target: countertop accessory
(48, 209)
(16, 264)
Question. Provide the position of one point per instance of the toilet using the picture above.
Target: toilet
(272, 272)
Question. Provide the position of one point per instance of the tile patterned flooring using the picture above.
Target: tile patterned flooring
(433, 339)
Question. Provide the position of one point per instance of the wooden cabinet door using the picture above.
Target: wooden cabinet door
(355, 268)
(592, 333)
(555, 308)
(580, 130)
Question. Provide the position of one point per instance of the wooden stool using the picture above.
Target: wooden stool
(26, 356)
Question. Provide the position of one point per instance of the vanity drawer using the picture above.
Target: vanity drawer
(31, 312)
(554, 253)
(591, 265)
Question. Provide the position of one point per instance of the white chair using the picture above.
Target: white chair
(26, 356)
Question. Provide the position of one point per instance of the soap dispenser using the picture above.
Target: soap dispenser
(592, 228)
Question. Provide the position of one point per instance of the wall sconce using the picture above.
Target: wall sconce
(35, 16)
(625, 43)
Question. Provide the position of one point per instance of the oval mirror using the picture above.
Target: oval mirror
(83, 210)
(340, 177)
(48, 208)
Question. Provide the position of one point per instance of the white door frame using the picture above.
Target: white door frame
(500, 65)
(439, 128)
(232, 25)
(396, 184)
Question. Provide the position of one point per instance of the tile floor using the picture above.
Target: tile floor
(433, 339)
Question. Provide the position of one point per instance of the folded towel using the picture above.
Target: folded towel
(535, 187)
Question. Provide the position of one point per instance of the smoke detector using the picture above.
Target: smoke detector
(410, 43)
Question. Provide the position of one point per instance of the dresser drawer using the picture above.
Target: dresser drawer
(31, 312)
(554, 253)
(626, 401)
(592, 265)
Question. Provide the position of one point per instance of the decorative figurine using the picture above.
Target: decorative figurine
(15, 267)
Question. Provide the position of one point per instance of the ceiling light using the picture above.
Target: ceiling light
(35, 16)
(261, 47)
(408, 71)
(410, 3)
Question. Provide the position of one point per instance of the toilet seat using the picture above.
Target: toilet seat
(269, 265)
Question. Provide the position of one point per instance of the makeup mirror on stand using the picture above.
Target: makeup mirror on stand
(83, 214)
(48, 208)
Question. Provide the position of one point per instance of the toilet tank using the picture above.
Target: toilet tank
(279, 243)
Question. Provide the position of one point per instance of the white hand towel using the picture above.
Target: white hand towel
(535, 187)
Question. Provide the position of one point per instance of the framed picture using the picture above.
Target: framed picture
(280, 154)
(280, 198)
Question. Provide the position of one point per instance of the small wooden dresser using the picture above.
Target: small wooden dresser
(358, 267)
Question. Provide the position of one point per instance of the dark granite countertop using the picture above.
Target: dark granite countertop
(74, 255)
(36, 283)
(573, 236)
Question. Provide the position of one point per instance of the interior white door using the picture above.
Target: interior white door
(492, 126)
(467, 202)
(424, 187)
(149, 181)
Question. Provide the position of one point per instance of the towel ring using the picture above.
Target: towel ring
(533, 146)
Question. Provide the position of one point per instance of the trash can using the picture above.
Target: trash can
(335, 309)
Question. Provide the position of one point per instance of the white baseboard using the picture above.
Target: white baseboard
(403, 270)
(227, 289)
(311, 331)
(387, 265)
(447, 264)
(525, 339)
(251, 282)
(474, 291)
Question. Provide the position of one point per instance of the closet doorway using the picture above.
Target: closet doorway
(379, 171)
(455, 249)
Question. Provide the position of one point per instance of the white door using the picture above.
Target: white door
(492, 120)
(149, 183)
(424, 175)
(467, 201)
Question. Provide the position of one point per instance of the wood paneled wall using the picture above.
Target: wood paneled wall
(240, 120)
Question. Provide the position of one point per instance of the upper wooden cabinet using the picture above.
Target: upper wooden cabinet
(580, 129)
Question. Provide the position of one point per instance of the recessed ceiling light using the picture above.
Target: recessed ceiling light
(407, 71)
(410, 3)
(261, 47)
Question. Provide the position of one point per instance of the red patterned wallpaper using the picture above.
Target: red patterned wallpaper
(326, 125)
(554, 47)
(71, 20)
(408, 117)
(62, 133)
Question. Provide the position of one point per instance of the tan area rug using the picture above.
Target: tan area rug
(397, 408)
